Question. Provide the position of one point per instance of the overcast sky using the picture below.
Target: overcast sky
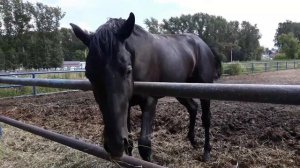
(90, 14)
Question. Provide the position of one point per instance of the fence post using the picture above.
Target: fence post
(266, 67)
(294, 64)
(277, 66)
(286, 65)
(33, 87)
(252, 67)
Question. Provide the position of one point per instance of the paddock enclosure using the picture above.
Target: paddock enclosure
(243, 134)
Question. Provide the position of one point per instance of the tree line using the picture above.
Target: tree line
(232, 39)
(30, 37)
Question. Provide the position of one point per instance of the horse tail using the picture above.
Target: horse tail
(218, 63)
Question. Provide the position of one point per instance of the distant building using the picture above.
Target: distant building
(269, 54)
(73, 65)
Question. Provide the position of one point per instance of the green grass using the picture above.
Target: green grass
(27, 90)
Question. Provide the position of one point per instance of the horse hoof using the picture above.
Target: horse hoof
(206, 157)
(145, 150)
(145, 153)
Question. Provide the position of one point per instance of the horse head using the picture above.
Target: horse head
(109, 69)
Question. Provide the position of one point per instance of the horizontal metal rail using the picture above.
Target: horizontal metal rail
(10, 86)
(126, 161)
(39, 72)
(278, 94)
(54, 83)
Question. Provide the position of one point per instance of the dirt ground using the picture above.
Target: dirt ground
(243, 134)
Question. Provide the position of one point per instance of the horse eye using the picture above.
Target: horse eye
(128, 70)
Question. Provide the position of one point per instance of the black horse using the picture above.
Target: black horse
(120, 53)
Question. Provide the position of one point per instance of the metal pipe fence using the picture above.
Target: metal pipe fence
(33, 75)
(125, 161)
(258, 67)
(39, 72)
(278, 94)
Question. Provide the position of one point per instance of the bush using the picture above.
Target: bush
(233, 69)
(280, 56)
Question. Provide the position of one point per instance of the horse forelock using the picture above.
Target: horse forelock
(105, 41)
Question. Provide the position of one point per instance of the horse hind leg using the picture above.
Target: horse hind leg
(192, 108)
(206, 116)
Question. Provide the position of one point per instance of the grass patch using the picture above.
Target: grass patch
(18, 91)
(233, 69)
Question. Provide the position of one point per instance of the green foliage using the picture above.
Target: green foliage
(30, 37)
(289, 45)
(227, 37)
(152, 25)
(258, 53)
(234, 69)
(280, 56)
(10, 92)
(73, 48)
(286, 28)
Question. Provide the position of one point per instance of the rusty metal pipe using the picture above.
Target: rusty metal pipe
(126, 161)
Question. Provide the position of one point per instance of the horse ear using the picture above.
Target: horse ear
(125, 31)
(83, 36)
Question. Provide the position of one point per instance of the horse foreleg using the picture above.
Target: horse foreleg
(130, 141)
(206, 115)
(148, 112)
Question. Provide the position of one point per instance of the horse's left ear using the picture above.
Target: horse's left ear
(125, 31)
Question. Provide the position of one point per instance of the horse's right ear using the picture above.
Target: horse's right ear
(83, 36)
(125, 31)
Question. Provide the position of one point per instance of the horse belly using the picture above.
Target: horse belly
(177, 68)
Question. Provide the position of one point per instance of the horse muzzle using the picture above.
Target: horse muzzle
(116, 148)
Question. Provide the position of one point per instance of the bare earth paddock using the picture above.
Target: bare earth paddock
(250, 134)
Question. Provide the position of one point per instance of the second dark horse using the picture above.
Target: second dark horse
(120, 53)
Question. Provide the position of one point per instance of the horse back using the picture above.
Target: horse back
(173, 58)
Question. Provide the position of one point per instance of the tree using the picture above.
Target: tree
(285, 28)
(30, 35)
(48, 53)
(228, 38)
(2, 60)
(248, 40)
(73, 48)
(152, 25)
(289, 45)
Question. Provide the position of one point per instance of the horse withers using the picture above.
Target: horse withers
(120, 53)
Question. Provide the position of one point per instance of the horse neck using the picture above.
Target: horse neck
(138, 40)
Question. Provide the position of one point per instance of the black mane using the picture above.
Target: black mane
(115, 24)
(105, 36)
